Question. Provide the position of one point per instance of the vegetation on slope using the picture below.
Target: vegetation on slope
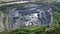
(52, 29)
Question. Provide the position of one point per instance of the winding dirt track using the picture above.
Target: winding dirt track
(9, 3)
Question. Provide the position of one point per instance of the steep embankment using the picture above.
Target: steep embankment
(56, 11)
(3, 22)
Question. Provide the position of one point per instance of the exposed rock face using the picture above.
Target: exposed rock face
(29, 15)
(1, 23)
(4, 25)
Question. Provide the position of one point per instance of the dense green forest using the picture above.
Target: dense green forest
(53, 28)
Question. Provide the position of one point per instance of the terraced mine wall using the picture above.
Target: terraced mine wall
(22, 15)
